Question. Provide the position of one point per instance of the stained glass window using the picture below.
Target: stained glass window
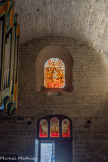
(43, 128)
(54, 127)
(54, 73)
(65, 128)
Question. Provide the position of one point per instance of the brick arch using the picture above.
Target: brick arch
(53, 52)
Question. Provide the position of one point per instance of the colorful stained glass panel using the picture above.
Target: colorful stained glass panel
(49, 82)
(54, 127)
(48, 72)
(50, 63)
(59, 63)
(54, 73)
(43, 128)
(65, 128)
(59, 82)
(59, 72)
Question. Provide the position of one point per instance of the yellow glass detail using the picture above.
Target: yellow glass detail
(54, 73)
(54, 127)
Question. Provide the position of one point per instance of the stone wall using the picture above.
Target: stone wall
(86, 105)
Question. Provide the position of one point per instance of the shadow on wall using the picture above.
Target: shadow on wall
(90, 72)
(90, 76)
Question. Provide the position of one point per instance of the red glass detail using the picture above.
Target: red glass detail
(54, 127)
(54, 120)
(42, 133)
(43, 129)
(59, 82)
(49, 82)
(65, 128)
(67, 132)
(54, 134)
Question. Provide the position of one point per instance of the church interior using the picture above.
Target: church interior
(54, 80)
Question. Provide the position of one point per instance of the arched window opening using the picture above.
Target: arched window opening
(54, 127)
(65, 128)
(54, 73)
(43, 128)
(54, 70)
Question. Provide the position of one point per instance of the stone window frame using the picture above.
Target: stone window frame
(54, 52)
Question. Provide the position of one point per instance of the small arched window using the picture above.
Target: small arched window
(54, 73)
(54, 127)
(43, 128)
(65, 128)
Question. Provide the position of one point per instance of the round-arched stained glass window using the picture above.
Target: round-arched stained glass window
(43, 128)
(54, 73)
(65, 128)
(54, 127)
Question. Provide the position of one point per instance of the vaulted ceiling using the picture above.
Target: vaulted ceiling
(84, 20)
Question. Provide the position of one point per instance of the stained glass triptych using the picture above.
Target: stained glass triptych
(54, 128)
(54, 73)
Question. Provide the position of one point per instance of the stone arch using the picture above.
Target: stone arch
(53, 52)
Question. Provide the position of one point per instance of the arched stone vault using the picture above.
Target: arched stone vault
(85, 20)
